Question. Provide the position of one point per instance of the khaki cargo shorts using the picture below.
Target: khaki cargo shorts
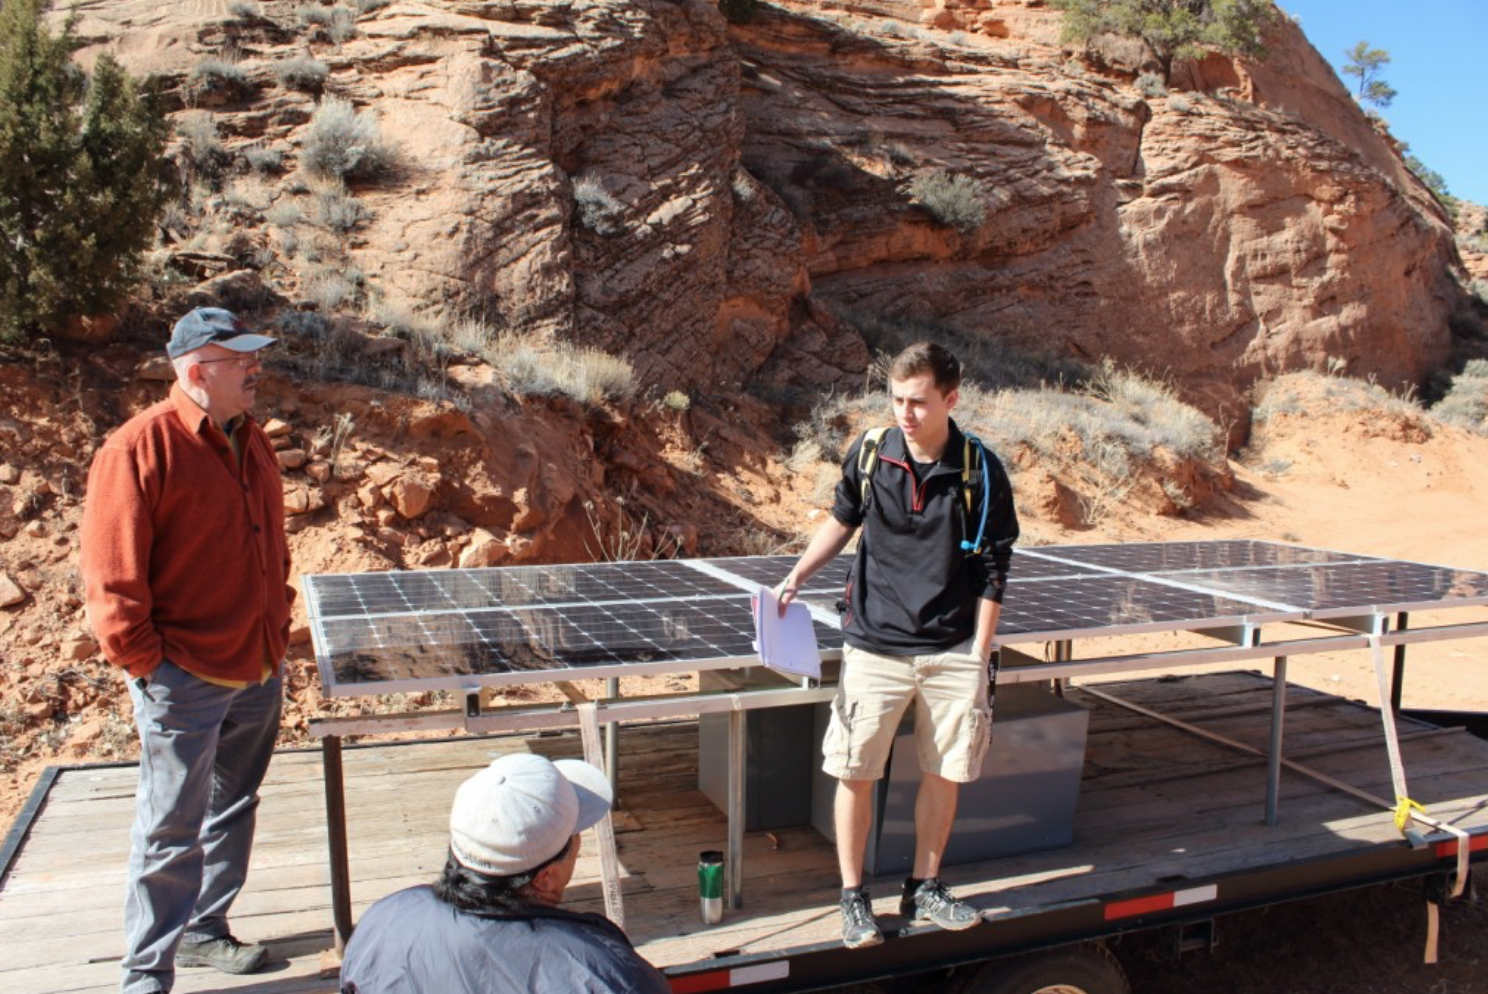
(953, 720)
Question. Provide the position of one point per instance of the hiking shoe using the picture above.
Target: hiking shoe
(931, 901)
(223, 953)
(859, 930)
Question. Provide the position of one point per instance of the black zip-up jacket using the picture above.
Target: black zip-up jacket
(912, 589)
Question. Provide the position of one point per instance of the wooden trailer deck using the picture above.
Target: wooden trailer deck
(1157, 806)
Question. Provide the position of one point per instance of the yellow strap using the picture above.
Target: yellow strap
(1403, 808)
(868, 459)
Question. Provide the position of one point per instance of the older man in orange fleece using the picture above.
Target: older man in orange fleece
(187, 569)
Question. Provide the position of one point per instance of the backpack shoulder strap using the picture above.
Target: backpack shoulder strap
(971, 468)
(868, 459)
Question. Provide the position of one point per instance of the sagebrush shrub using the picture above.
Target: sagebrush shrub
(598, 209)
(344, 143)
(301, 72)
(953, 199)
(1151, 85)
(213, 75)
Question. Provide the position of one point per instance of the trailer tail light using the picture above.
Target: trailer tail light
(739, 976)
(1161, 902)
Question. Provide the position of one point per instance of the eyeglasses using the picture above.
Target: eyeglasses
(242, 361)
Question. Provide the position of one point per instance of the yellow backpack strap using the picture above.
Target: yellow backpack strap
(868, 460)
(966, 471)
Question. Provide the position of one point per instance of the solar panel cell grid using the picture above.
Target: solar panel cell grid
(1361, 586)
(1110, 603)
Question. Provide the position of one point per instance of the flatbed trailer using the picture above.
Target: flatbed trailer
(1199, 795)
(1169, 833)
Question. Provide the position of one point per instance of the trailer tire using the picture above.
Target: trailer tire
(1087, 969)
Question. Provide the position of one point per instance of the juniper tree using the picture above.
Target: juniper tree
(82, 175)
(1365, 63)
(1174, 29)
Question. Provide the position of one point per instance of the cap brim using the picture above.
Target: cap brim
(593, 788)
(245, 343)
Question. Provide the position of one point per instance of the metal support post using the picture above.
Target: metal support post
(1273, 760)
(335, 798)
(612, 740)
(1397, 679)
(735, 866)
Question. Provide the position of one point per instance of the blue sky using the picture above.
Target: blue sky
(1438, 50)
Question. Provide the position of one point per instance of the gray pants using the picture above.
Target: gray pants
(204, 750)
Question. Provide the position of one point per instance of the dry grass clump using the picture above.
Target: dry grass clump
(1466, 400)
(543, 367)
(1101, 435)
(1307, 391)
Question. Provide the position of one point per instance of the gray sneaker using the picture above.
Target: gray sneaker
(224, 953)
(859, 930)
(931, 901)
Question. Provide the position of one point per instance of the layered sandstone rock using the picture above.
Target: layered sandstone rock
(756, 183)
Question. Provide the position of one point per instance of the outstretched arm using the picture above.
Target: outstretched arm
(830, 539)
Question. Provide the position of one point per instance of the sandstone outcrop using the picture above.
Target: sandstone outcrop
(752, 185)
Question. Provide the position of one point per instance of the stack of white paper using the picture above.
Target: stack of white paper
(786, 644)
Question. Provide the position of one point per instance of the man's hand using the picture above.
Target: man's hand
(786, 592)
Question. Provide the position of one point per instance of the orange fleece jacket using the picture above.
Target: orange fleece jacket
(183, 550)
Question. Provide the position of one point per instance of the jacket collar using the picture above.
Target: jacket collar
(895, 447)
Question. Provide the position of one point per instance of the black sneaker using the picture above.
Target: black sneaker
(932, 902)
(859, 930)
(223, 953)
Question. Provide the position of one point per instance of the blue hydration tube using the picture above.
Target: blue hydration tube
(986, 500)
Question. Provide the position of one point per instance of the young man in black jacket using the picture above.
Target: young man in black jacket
(922, 604)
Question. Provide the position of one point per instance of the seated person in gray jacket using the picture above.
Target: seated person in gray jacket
(491, 923)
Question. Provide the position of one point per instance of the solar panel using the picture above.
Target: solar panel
(1167, 557)
(1029, 565)
(451, 628)
(767, 571)
(1110, 605)
(1332, 589)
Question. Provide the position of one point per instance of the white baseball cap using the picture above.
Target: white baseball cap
(520, 812)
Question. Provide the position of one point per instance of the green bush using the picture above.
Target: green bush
(343, 143)
(301, 72)
(243, 10)
(954, 200)
(83, 176)
(1174, 29)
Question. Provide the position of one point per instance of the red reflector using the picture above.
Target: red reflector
(1476, 843)
(715, 980)
(1138, 906)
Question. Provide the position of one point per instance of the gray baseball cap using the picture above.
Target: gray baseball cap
(213, 326)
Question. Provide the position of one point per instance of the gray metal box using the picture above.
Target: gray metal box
(1024, 800)
(778, 747)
